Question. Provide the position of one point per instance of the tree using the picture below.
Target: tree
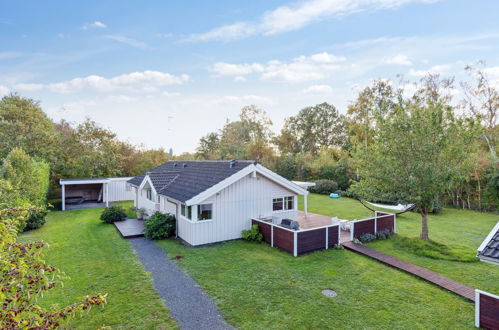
(28, 178)
(422, 149)
(482, 99)
(316, 127)
(247, 138)
(209, 146)
(24, 277)
(24, 125)
(373, 102)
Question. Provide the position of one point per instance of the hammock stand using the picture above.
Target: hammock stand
(396, 213)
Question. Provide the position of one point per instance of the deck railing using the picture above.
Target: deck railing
(381, 221)
(300, 241)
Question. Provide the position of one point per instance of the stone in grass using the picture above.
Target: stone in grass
(329, 293)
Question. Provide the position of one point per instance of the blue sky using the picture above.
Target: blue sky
(164, 73)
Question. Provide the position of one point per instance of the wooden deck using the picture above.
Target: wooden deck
(426, 274)
(130, 228)
(312, 220)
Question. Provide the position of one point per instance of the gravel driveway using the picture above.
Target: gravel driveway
(188, 304)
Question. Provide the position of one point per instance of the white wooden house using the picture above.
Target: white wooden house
(214, 201)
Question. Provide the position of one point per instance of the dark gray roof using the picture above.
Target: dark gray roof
(182, 180)
(491, 250)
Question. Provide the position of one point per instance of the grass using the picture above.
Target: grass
(256, 286)
(98, 260)
(455, 234)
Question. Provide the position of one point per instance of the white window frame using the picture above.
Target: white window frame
(186, 211)
(199, 211)
(284, 207)
(149, 194)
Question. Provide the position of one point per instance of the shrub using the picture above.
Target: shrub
(36, 219)
(384, 234)
(253, 234)
(367, 238)
(324, 187)
(112, 214)
(159, 226)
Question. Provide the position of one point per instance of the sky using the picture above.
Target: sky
(165, 73)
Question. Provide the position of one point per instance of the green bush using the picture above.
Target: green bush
(253, 234)
(384, 234)
(367, 238)
(112, 214)
(36, 219)
(324, 187)
(159, 226)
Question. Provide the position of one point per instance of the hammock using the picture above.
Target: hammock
(400, 207)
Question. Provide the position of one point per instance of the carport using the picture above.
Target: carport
(84, 192)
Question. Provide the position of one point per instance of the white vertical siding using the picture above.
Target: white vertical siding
(145, 203)
(118, 190)
(233, 208)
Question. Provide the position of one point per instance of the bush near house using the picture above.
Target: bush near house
(253, 234)
(112, 214)
(159, 226)
(324, 187)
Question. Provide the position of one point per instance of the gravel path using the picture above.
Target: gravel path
(188, 304)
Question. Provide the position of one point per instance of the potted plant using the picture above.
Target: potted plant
(141, 213)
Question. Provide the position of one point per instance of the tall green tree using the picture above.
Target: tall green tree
(28, 178)
(422, 149)
(209, 146)
(373, 102)
(24, 125)
(315, 127)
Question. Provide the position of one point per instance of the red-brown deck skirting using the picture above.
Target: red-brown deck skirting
(426, 274)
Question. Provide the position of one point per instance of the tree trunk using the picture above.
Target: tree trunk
(424, 225)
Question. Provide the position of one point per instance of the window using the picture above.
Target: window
(205, 211)
(149, 194)
(286, 203)
(277, 204)
(186, 211)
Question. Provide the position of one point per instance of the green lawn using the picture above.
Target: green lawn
(98, 260)
(258, 287)
(462, 229)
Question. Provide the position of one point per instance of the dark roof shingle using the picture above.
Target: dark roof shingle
(182, 180)
(491, 250)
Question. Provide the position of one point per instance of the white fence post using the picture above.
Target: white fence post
(352, 229)
(295, 244)
(477, 308)
(394, 223)
(375, 224)
(327, 234)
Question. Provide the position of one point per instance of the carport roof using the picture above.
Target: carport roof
(489, 250)
(83, 181)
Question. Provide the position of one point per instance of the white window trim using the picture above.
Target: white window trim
(283, 204)
(212, 212)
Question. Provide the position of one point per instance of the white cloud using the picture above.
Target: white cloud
(4, 90)
(146, 81)
(318, 89)
(302, 68)
(96, 24)
(239, 79)
(10, 55)
(245, 99)
(436, 69)
(398, 60)
(296, 16)
(228, 69)
(126, 40)
(165, 35)
(227, 32)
